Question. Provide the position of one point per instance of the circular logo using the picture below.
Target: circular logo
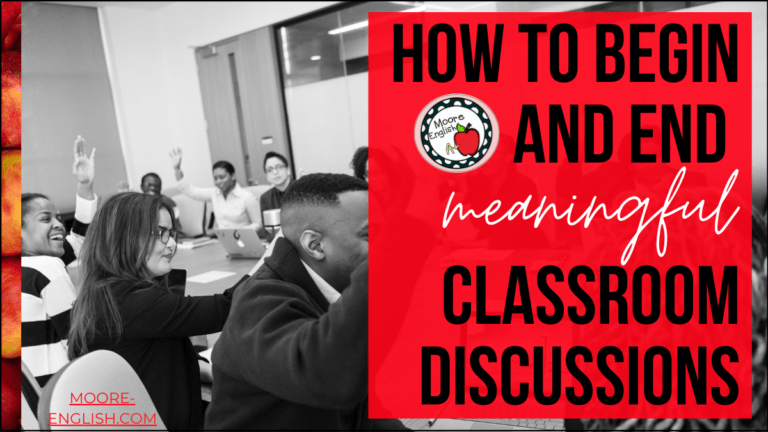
(456, 133)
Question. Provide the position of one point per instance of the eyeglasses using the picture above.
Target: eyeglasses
(275, 168)
(164, 234)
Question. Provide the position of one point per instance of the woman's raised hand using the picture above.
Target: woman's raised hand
(84, 167)
(176, 158)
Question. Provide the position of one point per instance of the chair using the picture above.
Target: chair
(258, 190)
(95, 388)
(192, 215)
(30, 397)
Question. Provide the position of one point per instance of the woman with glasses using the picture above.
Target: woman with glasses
(233, 206)
(125, 305)
(279, 176)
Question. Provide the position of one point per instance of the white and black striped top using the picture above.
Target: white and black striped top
(47, 294)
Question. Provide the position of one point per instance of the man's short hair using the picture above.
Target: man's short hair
(151, 175)
(271, 155)
(358, 162)
(321, 190)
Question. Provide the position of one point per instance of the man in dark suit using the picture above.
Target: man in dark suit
(293, 353)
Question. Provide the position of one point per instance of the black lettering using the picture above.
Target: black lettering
(671, 285)
(607, 296)
(466, 308)
(400, 53)
(635, 52)
(426, 375)
(680, 54)
(517, 273)
(506, 375)
(728, 55)
(482, 316)
(570, 139)
(450, 51)
(728, 289)
(589, 133)
(638, 133)
(573, 368)
(532, 29)
(460, 375)
(554, 53)
(602, 365)
(482, 55)
(701, 131)
(537, 148)
(485, 377)
(717, 366)
(586, 299)
(682, 136)
(698, 380)
(538, 376)
(633, 375)
(541, 311)
(614, 51)
(637, 295)
(651, 375)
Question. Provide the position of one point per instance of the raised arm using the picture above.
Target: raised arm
(196, 193)
(84, 169)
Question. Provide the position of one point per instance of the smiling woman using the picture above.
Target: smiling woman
(125, 305)
(47, 292)
(233, 206)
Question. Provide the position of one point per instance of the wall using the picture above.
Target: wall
(67, 93)
(158, 98)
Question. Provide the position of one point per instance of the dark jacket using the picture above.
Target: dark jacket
(157, 325)
(286, 359)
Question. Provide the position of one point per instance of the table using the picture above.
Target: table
(207, 258)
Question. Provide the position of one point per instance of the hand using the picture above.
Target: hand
(84, 167)
(123, 186)
(176, 158)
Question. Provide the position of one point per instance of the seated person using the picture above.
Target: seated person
(279, 176)
(359, 163)
(233, 206)
(151, 184)
(47, 291)
(126, 305)
(292, 356)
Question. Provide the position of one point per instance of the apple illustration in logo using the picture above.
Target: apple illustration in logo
(237, 237)
(467, 140)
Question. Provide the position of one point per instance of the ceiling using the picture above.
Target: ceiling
(149, 6)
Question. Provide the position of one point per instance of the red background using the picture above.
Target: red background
(410, 251)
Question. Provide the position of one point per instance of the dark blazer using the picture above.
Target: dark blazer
(157, 325)
(286, 359)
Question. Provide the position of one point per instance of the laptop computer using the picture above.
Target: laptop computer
(241, 242)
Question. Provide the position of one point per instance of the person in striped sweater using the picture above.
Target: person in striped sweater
(47, 292)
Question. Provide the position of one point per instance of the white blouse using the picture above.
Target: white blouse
(240, 209)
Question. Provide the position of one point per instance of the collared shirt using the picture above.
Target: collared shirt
(238, 210)
(328, 291)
